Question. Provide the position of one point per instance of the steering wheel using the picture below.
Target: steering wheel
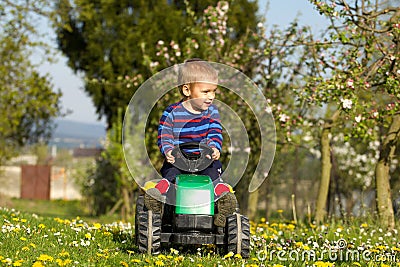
(192, 162)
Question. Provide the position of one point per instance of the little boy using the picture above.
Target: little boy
(193, 119)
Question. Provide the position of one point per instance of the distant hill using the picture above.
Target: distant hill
(71, 134)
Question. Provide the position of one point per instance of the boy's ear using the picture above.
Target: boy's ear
(186, 90)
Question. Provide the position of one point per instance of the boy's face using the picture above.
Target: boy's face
(201, 95)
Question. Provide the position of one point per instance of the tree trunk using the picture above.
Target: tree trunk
(326, 166)
(253, 205)
(384, 199)
(127, 203)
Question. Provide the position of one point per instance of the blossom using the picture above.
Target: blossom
(347, 103)
(358, 118)
(350, 83)
(283, 117)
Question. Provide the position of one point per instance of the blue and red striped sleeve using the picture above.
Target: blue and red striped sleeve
(165, 140)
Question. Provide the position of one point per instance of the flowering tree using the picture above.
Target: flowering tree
(271, 59)
(28, 101)
(360, 81)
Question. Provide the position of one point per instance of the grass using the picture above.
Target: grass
(56, 208)
(54, 238)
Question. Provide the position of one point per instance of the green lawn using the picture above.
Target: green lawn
(49, 233)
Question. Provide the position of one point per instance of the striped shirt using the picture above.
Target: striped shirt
(178, 126)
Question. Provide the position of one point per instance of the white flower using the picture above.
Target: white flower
(260, 25)
(154, 64)
(350, 83)
(283, 117)
(268, 109)
(160, 42)
(358, 118)
(346, 103)
(224, 6)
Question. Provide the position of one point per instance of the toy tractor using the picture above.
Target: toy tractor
(189, 220)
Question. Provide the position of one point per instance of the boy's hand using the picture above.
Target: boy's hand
(216, 154)
(169, 157)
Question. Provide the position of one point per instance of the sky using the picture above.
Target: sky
(75, 100)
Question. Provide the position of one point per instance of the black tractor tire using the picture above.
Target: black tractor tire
(237, 235)
(149, 232)
(139, 208)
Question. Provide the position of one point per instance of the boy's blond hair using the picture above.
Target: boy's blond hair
(196, 70)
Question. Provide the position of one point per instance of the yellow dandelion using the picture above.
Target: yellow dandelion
(15, 219)
(59, 220)
(291, 227)
(32, 245)
(364, 225)
(159, 263)
(44, 257)
(323, 264)
(62, 263)
(24, 220)
(136, 261)
(381, 247)
(229, 255)
(7, 261)
(279, 211)
(357, 264)
(38, 264)
(22, 238)
(263, 220)
(124, 264)
(179, 258)
(97, 225)
(396, 249)
(162, 257)
(237, 256)
(63, 254)
(88, 236)
(18, 263)
(25, 249)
